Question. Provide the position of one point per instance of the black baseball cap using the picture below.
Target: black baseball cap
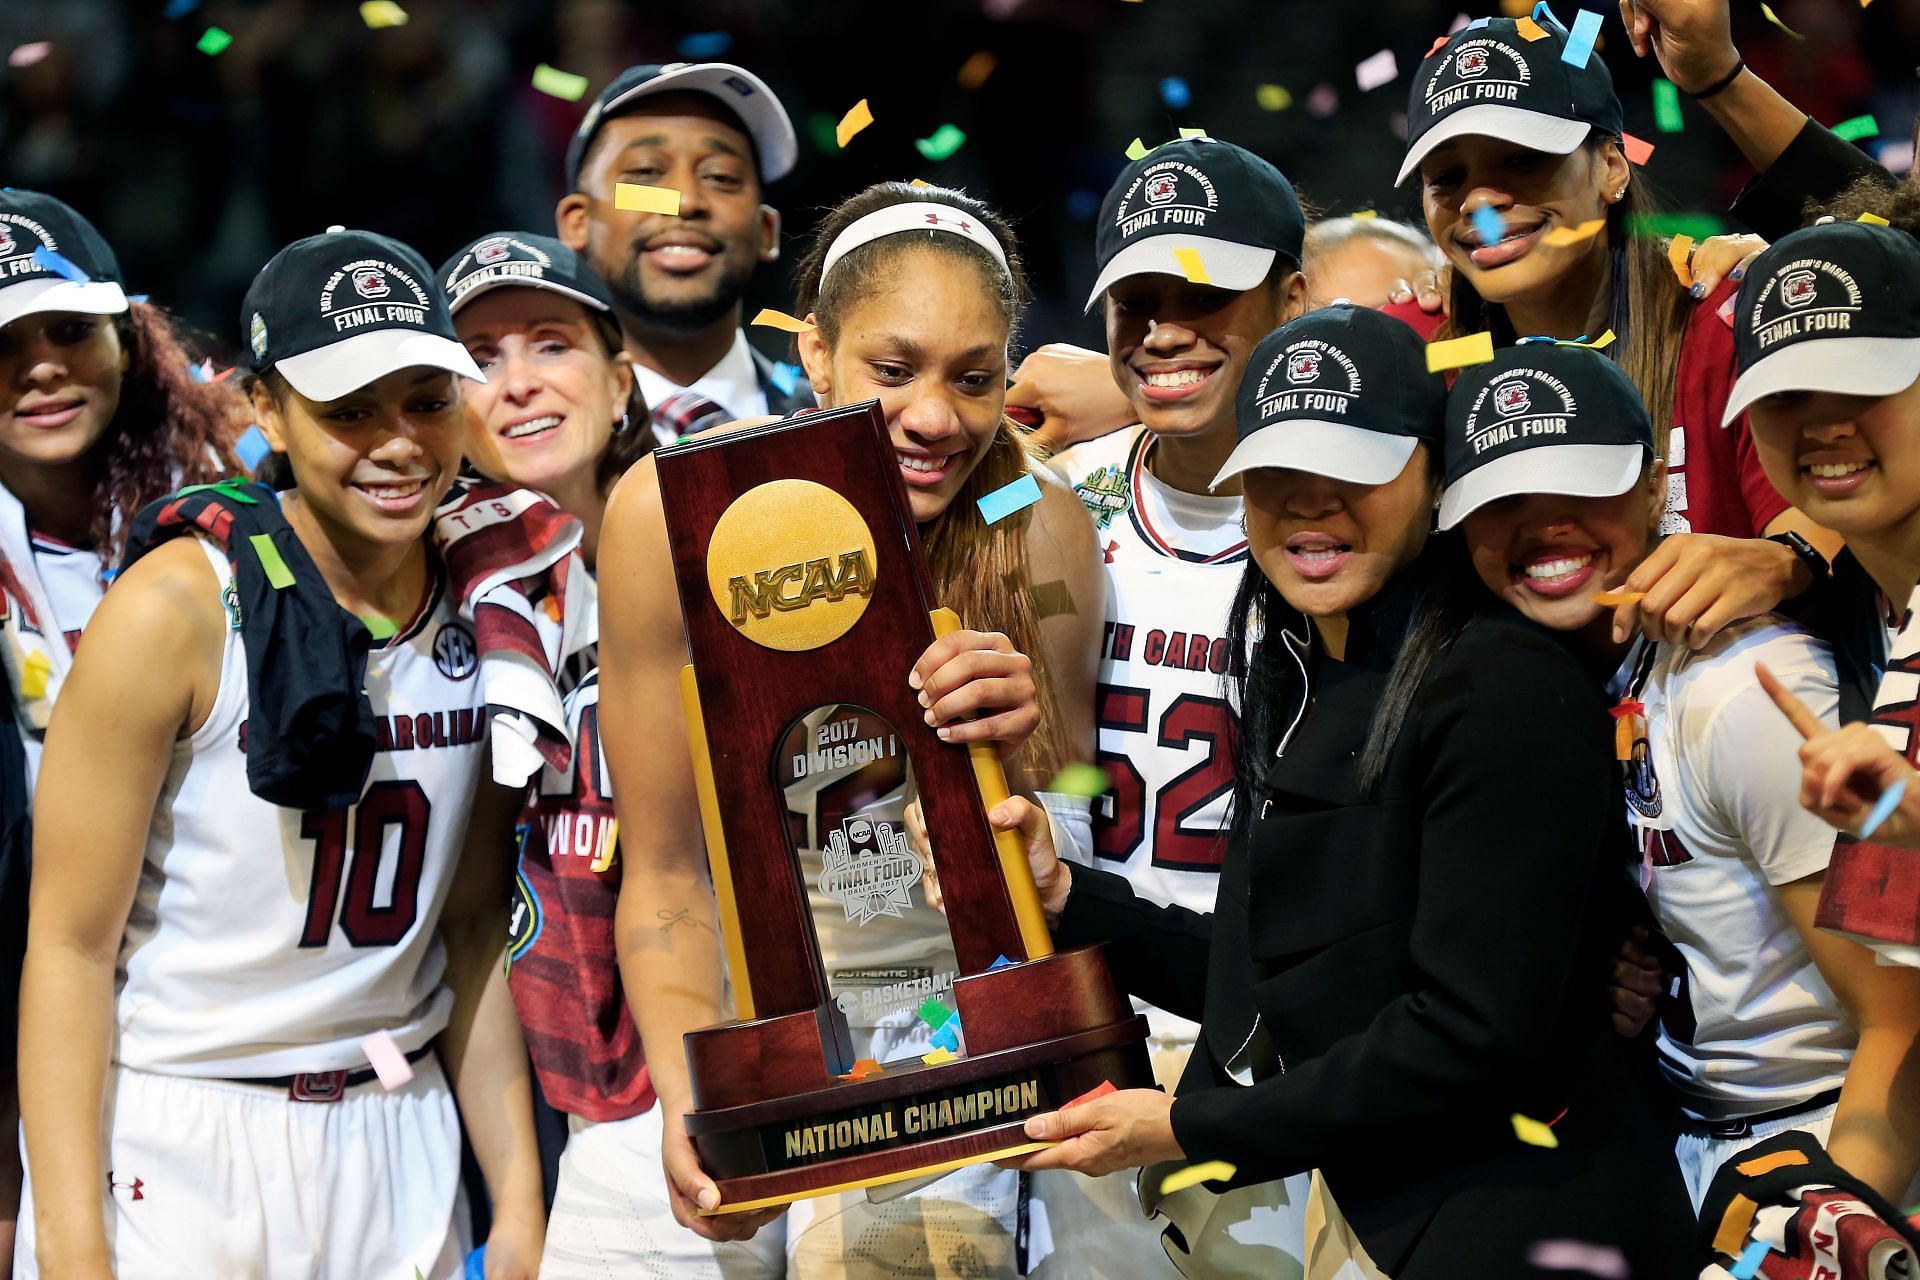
(1834, 307)
(1342, 392)
(78, 272)
(1542, 418)
(1223, 202)
(1490, 80)
(335, 311)
(522, 261)
(735, 88)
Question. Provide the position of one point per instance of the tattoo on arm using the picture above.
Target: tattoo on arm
(669, 919)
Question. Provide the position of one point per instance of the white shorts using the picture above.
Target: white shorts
(214, 1178)
(1701, 1157)
(611, 1215)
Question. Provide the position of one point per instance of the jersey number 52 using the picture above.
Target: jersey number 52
(1189, 718)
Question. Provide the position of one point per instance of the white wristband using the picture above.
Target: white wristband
(1070, 818)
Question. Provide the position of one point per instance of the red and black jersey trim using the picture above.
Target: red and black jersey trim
(1136, 511)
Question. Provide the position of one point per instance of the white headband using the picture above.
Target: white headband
(917, 215)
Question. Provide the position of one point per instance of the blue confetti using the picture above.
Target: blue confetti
(1544, 15)
(1006, 500)
(1586, 29)
(1174, 92)
(252, 448)
(1883, 808)
(59, 264)
(1082, 205)
(999, 962)
(177, 9)
(1749, 1264)
(705, 44)
(1476, 24)
(1491, 226)
(137, 297)
(477, 1264)
(785, 376)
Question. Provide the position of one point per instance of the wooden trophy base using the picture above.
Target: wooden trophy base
(780, 1128)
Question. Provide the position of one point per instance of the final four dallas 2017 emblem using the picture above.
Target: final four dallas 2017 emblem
(868, 869)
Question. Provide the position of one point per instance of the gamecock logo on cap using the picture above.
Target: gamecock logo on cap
(1162, 189)
(1303, 366)
(1799, 289)
(371, 282)
(491, 252)
(1472, 63)
(1511, 398)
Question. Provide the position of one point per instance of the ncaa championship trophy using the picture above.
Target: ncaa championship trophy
(806, 602)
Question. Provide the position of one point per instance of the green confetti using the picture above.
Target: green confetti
(1666, 107)
(1700, 226)
(1078, 779)
(382, 628)
(1137, 150)
(278, 574)
(1192, 133)
(559, 84)
(820, 127)
(933, 1013)
(946, 140)
(225, 488)
(213, 42)
(1857, 128)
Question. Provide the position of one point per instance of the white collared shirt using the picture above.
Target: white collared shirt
(733, 384)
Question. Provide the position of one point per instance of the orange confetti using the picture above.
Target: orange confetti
(858, 117)
(1575, 235)
(1638, 150)
(771, 319)
(1679, 250)
(1530, 30)
(1610, 599)
(975, 70)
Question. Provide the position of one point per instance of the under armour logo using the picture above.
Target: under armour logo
(133, 1186)
(935, 220)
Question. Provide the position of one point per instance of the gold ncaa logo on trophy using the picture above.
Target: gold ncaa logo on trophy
(791, 565)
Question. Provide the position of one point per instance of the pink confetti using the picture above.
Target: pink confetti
(1726, 310)
(1460, 20)
(1638, 150)
(1323, 101)
(1897, 157)
(389, 1063)
(1577, 1255)
(28, 54)
(1375, 71)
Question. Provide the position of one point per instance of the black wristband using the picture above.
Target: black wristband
(1739, 65)
(1809, 555)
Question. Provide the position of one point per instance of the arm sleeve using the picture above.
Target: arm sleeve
(1507, 870)
(1763, 502)
(1747, 759)
(1817, 165)
(1156, 953)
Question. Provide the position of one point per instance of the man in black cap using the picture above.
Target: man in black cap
(715, 134)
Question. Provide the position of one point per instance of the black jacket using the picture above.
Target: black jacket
(1817, 165)
(783, 403)
(1413, 965)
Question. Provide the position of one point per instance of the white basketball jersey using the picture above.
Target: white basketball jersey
(264, 941)
(1174, 561)
(1713, 794)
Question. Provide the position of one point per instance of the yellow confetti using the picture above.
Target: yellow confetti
(1137, 150)
(1532, 1132)
(1273, 97)
(771, 319)
(1189, 260)
(33, 675)
(919, 182)
(1080, 779)
(1195, 1174)
(1768, 13)
(1192, 133)
(1365, 215)
(382, 13)
(1516, 8)
(1458, 353)
(1600, 343)
(556, 83)
(1677, 250)
(1575, 235)
(1530, 30)
(975, 70)
(636, 198)
(853, 122)
(937, 1057)
(1874, 218)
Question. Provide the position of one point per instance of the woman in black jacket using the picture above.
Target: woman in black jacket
(1402, 982)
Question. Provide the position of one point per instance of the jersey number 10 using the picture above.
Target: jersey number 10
(400, 804)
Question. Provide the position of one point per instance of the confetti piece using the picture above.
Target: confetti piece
(378, 627)
(1195, 1174)
(1577, 1255)
(933, 1013)
(1365, 215)
(1323, 101)
(937, 1057)
(1188, 134)
(1491, 227)
(1458, 353)
(1460, 20)
(1175, 93)
(635, 197)
(1196, 270)
(1100, 1090)
(1575, 235)
(58, 263)
(1677, 250)
(771, 319)
(1766, 11)
(556, 83)
(1874, 218)
(1006, 500)
(213, 42)
(1586, 29)
(33, 675)
(1375, 71)
(379, 14)
(946, 140)
(1515, 8)
(1638, 150)
(476, 1265)
(1080, 779)
(947, 1035)
(28, 54)
(1137, 150)
(1748, 1265)
(177, 9)
(999, 962)
(1439, 43)
(862, 1068)
(1896, 156)
(418, 1274)
(704, 44)
(225, 488)
(1273, 97)
(1725, 313)
(252, 447)
(1530, 30)
(1768, 1163)
(975, 70)
(389, 1063)
(1529, 1130)
(858, 117)
(278, 574)
(1666, 107)
(1610, 599)
(1857, 128)
(1883, 808)
(1600, 343)
(785, 376)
